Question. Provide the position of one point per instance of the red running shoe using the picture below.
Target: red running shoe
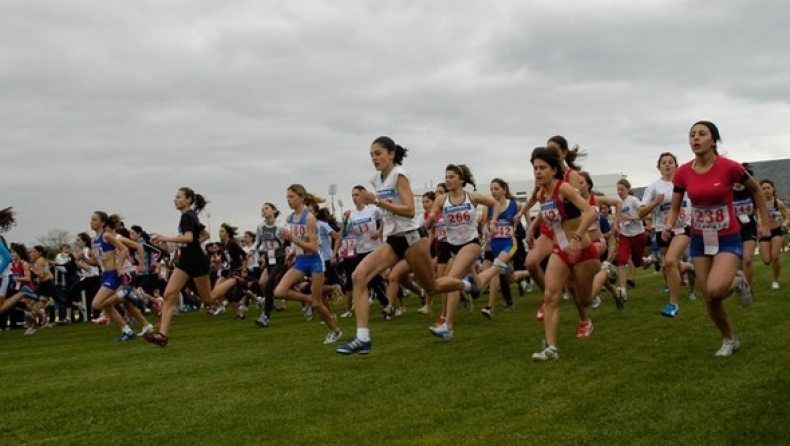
(156, 338)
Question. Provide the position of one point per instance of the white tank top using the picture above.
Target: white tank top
(461, 220)
(387, 190)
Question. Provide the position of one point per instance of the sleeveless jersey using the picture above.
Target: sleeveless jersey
(299, 231)
(100, 247)
(461, 220)
(505, 223)
(387, 190)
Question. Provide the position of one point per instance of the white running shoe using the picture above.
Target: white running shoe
(424, 310)
(596, 303)
(147, 329)
(332, 337)
(728, 347)
(774, 285)
(347, 314)
(547, 354)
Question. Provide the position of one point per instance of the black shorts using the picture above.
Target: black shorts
(193, 265)
(443, 254)
(749, 231)
(775, 232)
(46, 289)
(148, 282)
(488, 255)
(665, 244)
(401, 243)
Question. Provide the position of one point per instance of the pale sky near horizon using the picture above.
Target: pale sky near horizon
(112, 105)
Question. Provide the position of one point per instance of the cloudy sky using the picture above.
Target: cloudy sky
(112, 105)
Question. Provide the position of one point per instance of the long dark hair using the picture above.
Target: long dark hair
(550, 157)
(390, 146)
(462, 170)
(199, 202)
(7, 219)
(570, 154)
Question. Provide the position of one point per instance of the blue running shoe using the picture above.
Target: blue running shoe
(127, 337)
(671, 310)
(355, 346)
(28, 292)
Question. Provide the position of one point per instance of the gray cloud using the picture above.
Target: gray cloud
(113, 105)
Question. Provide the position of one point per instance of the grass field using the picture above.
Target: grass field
(641, 379)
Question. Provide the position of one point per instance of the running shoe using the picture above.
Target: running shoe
(156, 338)
(470, 286)
(547, 354)
(30, 331)
(487, 312)
(127, 337)
(388, 312)
(774, 285)
(745, 296)
(333, 337)
(541, 312)
(439, 321)
(147, 329)
(671, 310)
(347, 314)
(585, 329)
(596, 303)
(262, 321)
(424, 310)
(101, 320)
(219, 311)
(355, 346)
(631, 283)
(442, 331)
(307, 311)
(619, 302)
(728, 347)
(692, 295)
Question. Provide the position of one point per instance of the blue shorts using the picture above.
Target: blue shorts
(728, 243)
(309, 264)
(499, 245)
(110, 279)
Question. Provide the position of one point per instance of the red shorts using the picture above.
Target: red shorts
(588, 253)
(633, 247)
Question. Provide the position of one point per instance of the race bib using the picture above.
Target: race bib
(715, 218)
(349, 247)
(744, 209)
(503, 229)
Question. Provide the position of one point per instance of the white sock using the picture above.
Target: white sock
(363, 334)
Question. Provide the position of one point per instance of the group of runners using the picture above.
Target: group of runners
(708, 216)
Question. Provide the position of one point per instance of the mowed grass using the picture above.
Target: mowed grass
(641, 379)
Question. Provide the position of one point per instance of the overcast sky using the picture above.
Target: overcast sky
(112, 105)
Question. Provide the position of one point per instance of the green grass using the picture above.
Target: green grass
(641, 379)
